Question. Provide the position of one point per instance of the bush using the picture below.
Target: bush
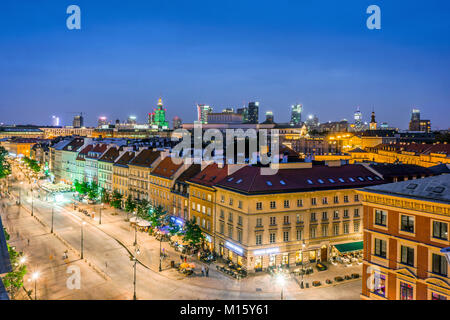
(316, 283)
(347, 277)
(355, 275)
(338, 279)
(328, 281)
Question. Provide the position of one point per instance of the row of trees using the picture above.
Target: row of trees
(32, 164)
(13, 280)
(157, 216)
(5, 168)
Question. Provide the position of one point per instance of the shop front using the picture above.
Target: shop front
(264, 258)
(234, 253)
(208, 243)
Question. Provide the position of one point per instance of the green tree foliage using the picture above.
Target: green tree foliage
(174, 228)
(92, 191)
(192, 233)
(32, 164)
(104, 195)
(130, 205)
(13, 280)
(116, 200)
(5, 168)
(143, 208)
(156, 216)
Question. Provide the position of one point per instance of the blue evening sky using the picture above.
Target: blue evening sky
(224, 53)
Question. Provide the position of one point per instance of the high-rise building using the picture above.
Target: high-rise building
(359, 124)
(177, 122)
(373, 122)
(296, 115)
(157, 119)
(102, 121)
(269, 117)
(244, 112)
(253, 112)
(312, 123)
(131, 120)
(55, 121)
(202, 112)
(416, 124)
(78, 121)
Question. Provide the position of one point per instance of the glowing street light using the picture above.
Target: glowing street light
(281, 282)
(35, 277)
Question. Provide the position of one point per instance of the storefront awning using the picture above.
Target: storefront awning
(349, 247)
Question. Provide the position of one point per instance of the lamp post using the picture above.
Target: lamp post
(280, 281)
(82, 239)
(100, 220)
(160, 255)
(135, 228)
(32, 202)
(34, 277)
(303, 248)
(136, 252)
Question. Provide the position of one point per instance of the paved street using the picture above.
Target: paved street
(107, 247)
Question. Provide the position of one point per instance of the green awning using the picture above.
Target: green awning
(350, 246)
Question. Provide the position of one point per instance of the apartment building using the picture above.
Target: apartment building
(69, 156)
(121, 173)
(140, 168)
(405, 228)
(293, 217)
(105, 167)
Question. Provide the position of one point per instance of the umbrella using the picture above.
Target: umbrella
(143, 223)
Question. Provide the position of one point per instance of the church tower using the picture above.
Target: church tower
(373, 123)
(157, 119)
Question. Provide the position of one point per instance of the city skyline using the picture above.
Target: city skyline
(125, 58)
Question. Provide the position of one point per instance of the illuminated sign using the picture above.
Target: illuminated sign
(263, 252)
(208, 238)
(234, 247)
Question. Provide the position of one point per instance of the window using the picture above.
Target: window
(356, 213)
(240, 220)
(272, 221)
(222, 228)
(345, 213)
(286, 203)
(325, 231)
(335, 229)
(313, 201)
(286, 219)
(272, 237)
(439, 264)
(259, 206)
(222, 214)
(440, 230)
(230, 232)
(272, 205)
(286, 236)
(356, 198)
(230, 216)
(379, 287)
(299, 203)
(299, 218)
(336, 199)
(259, 222)
(380, 218)
(324, 200)
(356, 227)
(324, 215)
(346, 228)
(407, 256)
(336, 214)
(231, 201)
(239, 236)
(258, 239)
(406, 291)
(437, 296)
(222, 199)
(240, 204)
(313, 232)
(299, 234)
(313, 216)
(380, 248)
(345, 199)
(407, 224)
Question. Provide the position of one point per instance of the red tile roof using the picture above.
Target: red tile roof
(166, 168)
(210, 175)
(110, 155)
(145, 158)
(249, 180)
(125, 158)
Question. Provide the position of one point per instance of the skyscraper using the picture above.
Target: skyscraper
(102, 121)
(296, 115)
(158, 117)
(202, 112)
(416, 124)
(78, 121)
(359, 124)
(131, 120)
(269, 117)
(176, 122)
(253, 111)
(244, 112)
(55, 121)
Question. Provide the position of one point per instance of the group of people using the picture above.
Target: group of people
(205, 271)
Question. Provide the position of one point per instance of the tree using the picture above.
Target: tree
(33, 164)
(92, 190)
(130, 205)
(13, 280)
(174, 228)
(192, 233)
(116, 200)
(156, 216)
(5, 168)
(143, 208)
(104, 195)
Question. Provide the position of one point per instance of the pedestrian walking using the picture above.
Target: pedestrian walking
(203, 271)
(207, 271)
(28, 241)
(185, 259)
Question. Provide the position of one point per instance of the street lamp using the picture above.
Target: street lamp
(32, 202)
(136, 252)
(82, 239)
(135, 228)
(281, 282)
(160, 255)
(34, 277)
(100, 220)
